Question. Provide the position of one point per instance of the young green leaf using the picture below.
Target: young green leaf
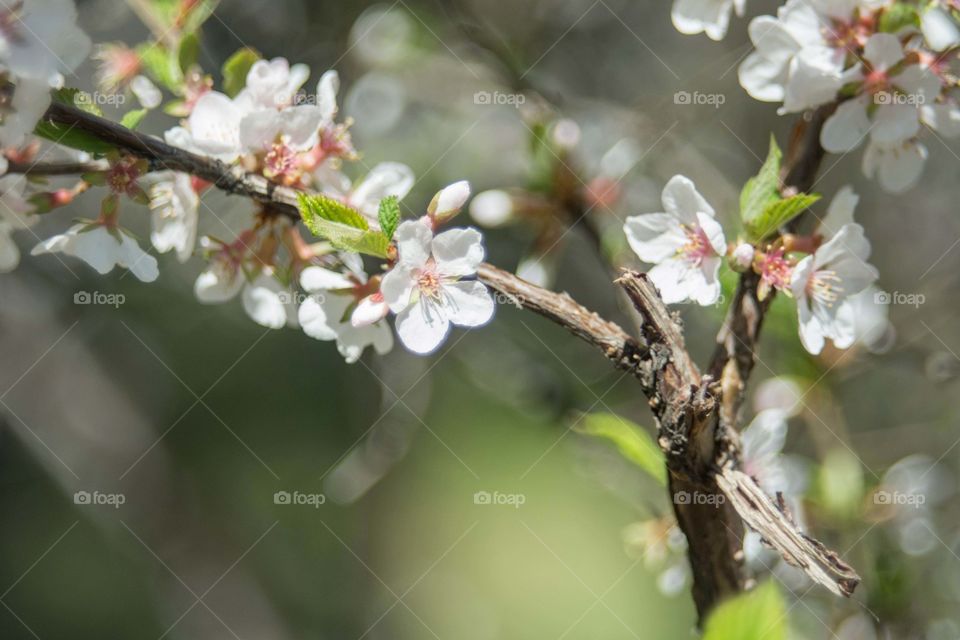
(330, 223)
(897, 16)
(633, 442)
(132, 119)
(326, 208)
(389, 215)
(188, 52)
(763, 188)
(236, 68)
(756, 615)
(161, 65)
(778, 213)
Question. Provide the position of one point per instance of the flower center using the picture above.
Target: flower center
(280, 161)
(697, 247)
(775, 269)
(428, 281)
(825, 287)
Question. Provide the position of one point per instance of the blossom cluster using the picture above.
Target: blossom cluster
(886, 64)
(823, 273)
(266, 124)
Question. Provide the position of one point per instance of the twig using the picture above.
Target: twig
(702, 452)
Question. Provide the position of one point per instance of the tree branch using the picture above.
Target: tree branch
(692, 411)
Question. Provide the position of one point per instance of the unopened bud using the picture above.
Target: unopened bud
(448, 202)
(742, 257)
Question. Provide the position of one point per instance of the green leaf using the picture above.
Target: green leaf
(336, 224)
(132, 119)
(778, 213)
(633, 442)
(77, 98)
(70, 136)
(188, 52)
(162, 66)
(757, 615)
(897, 16)
(236, 68)
(389, 215)
(762, 189)
(321, 206)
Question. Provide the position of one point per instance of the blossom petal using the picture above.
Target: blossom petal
(897, 167)
(895, 123)
(397, 287)
(313, 318)
(422, 327)
(883, 51)
(263, 302)
(458, 252)
(413, 240)
(315, 278)
(468, 304)
(216, 285)
(682, 200)
(654, 237)
(846, 128)
(840, 211)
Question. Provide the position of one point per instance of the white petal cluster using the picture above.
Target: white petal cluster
(39, 43)
(817, 51)
(705, 16)
(426, 288)
(102, 247)
(685, 242)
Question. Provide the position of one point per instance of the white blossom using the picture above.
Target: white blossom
(425, 289)
(326, 313)
(705, 16)
(272, 84)
(896, 166)
(294, 129)
(40, 40)
(685, 243)
(799, 56)
(103, 248)
(822, 284)
(213, 128)
(939, 29)
(174, 215)
(888, 106)
(269, 303)
(30, 100)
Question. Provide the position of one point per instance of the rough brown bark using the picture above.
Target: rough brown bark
(696, 414)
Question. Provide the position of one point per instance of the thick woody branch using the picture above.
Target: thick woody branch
(692, 412)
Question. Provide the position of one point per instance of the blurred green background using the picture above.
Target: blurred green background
(198, 417)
